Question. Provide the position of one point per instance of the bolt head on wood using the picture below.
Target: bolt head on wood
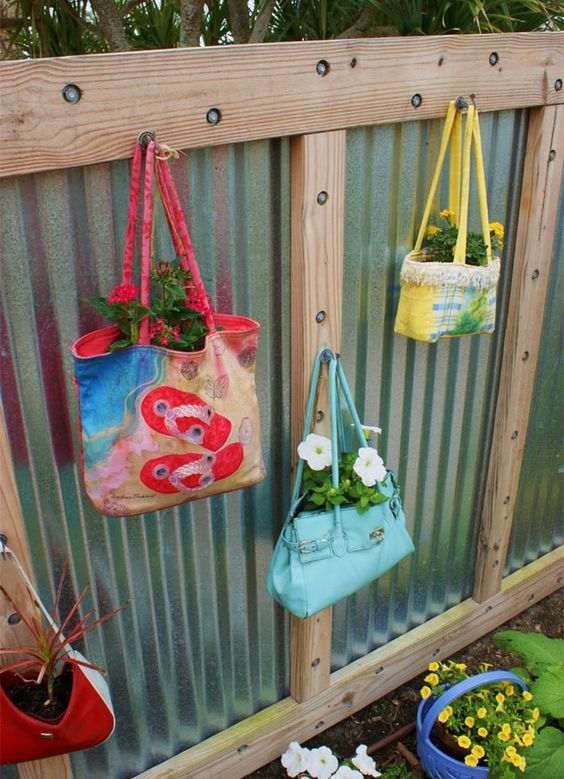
(71, 93)
(213, 116)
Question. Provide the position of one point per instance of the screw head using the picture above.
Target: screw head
(322, 68)
(558, 84)
(354, 62)
(494, 58)
(416, 100)
(213, 116)
(319, 416)
(322, 197)
(552, 155)
(320, 316)
(71, 93)
(535, 274)
(13, 619)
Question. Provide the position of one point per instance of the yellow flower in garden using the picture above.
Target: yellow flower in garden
(518, 741)
(461, 666)
(432, 230)
(464, 742)
(506, 728)
(481, 713)
(536, 714)
(500, 697)
(425, 691)
(469, 722)
(446, 214)
(478, 750)
(482, 732)
(527, 695)
(522, 764)
(510, 690)
(432, 679)
(485, 666)
(527, 739)
(433, 666)
(502, 736)
(510, 751)
(516, 760)
(471, 760)
(445, 714)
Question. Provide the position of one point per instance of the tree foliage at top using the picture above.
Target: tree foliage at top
(51, 28)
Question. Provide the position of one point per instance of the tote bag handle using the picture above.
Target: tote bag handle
(177, 227)
(459, 185)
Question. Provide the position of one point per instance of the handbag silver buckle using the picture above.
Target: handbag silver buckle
(305, 547)
(377, 534)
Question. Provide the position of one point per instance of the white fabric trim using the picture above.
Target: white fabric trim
(415, 272)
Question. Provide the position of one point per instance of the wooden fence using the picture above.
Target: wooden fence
(74, 111)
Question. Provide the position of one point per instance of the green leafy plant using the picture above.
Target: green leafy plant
(175, 321)
(440, 242)
(493, 725)
(543, 672)
(46, 655)
(359, 474)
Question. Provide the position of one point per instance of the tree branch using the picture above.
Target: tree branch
(191, 12)
(364, 26)
(109, 24)
(72, 12)
(239, 18)
(262, 21)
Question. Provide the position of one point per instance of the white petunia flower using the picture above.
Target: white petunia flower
(364, 762)
(345, 772)
(316, 451)
(369, 466)
(322, 763)
(295, 759)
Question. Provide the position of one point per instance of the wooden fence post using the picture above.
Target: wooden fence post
(531, 271)
(317, 219)
(12, 526)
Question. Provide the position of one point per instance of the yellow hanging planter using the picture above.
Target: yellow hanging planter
(449, 299)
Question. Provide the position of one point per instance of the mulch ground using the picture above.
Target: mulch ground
(397, 709)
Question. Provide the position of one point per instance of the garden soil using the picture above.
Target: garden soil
(389, 714)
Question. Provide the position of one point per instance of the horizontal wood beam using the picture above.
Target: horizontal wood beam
(261, 90)
(244, 747)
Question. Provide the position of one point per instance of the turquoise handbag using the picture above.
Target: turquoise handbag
(323, 556)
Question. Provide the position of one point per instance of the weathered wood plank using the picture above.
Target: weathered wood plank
(250, 744)
(262, 90)
(12, 526)
(538, 210)
(317, 227)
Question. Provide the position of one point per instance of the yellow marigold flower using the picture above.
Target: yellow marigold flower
(516, 760)
(469, 722)
(497, 229)
(510, 751)
(445, 714)
(425, 692)
(500, 697)
(432, 230)
(461, 666)
(482, 732)
(502, 736)
(446, 214)
(432, 679)
(478, 750)
(527, 695)
(433, 666)
(506, 728)
(527, 739)
(481, 713)
(464, 742)
(510, 690)
(471, 760)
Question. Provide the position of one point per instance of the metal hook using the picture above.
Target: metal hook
(326, 355)
(461, 103)
(145, 137)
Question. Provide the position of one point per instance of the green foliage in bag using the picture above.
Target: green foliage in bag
(543, 672)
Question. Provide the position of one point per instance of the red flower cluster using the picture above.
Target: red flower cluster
(198, 305)
(163, 333)
(123, 293)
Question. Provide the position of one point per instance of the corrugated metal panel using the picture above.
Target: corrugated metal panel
(201, 645)
(433, 402)
(539, 523)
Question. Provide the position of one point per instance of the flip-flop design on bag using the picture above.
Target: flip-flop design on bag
(190, 473)
(184, 415)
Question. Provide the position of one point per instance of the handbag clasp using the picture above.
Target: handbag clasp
(377, 534)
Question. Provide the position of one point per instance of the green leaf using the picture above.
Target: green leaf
(317, 498)
(336, 500)
(546, 757)
(548, 691)
(120, 344)
(364, 502)
(537, 651)
(523, 674)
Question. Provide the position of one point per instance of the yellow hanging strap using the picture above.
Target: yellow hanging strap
(460, 250)
(449, 121)
(454, 168)
(481, 184)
